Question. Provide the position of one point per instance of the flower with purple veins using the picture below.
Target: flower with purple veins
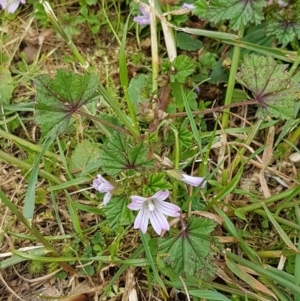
(188, 6)
(194, 181)
(11, 5)
(103, 186)
(143, 19)
(155, 209)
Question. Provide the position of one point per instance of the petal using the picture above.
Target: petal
(137, 202)
(102, 185)
(188, 6)
(168, 209)
(3, 3)
(161, 195)
(141, 20)
(106, 198)
(105, 187)
(144, 12)
(141, 221)
(13, 6)
(158, 221)
(194, 181)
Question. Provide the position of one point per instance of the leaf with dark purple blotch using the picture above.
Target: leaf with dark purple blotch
(191, 252)
(271, 85)
(59, 98)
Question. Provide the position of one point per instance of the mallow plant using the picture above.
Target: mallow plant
(147, 170)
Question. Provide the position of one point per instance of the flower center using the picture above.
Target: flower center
(150, 205)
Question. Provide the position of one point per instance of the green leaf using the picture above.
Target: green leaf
(191, 96)
(238, 12)
(208, 60)
(284, 30)
(6, 85)
(208, 295)
(187, 42)
(85, 158)
(271, 85)
(185, 136)
(91, 2)
(200, 8)
(183, 68)
(137, 91)
(156, 182)
(121, 154)
(59, 98)
(190, 252)
(117, 213)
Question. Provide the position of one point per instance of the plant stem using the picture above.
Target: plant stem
(134, 131)
(297, 259)
(248, 141)
(289, 193)
(124, 76)
(231, 81)
(61, 31)
(29, 145)
(8, 158)
(154, 48)
(35, 232)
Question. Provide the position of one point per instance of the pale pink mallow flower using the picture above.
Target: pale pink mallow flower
(11, 5)
(154, 208)
(103, 186)
(194, 181)
(188, 6)
(143, 19)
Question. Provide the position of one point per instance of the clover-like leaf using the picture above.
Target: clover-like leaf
(191, 251)
(238, 12)
(184, 67)
(271, 85)
(59, 98)
(120, 154)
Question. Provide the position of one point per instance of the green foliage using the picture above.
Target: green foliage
(190, 95)
(185, 137)
(190, 253)
(138, 89)
(156, 182)
(200, 8)
(270, 84)
(283, 29)
(117, 213)
(6, 85)
(120, 153)
(85, 158)
(239, 12)
(184, 67)
(36, 268)
(209, 295)
(187, 42)
(59, 98)
(90, 18)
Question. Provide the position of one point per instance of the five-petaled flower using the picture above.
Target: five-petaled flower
(103, 186)
(154, 208)
(11, 5)
(143, 19)
(194, 181)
